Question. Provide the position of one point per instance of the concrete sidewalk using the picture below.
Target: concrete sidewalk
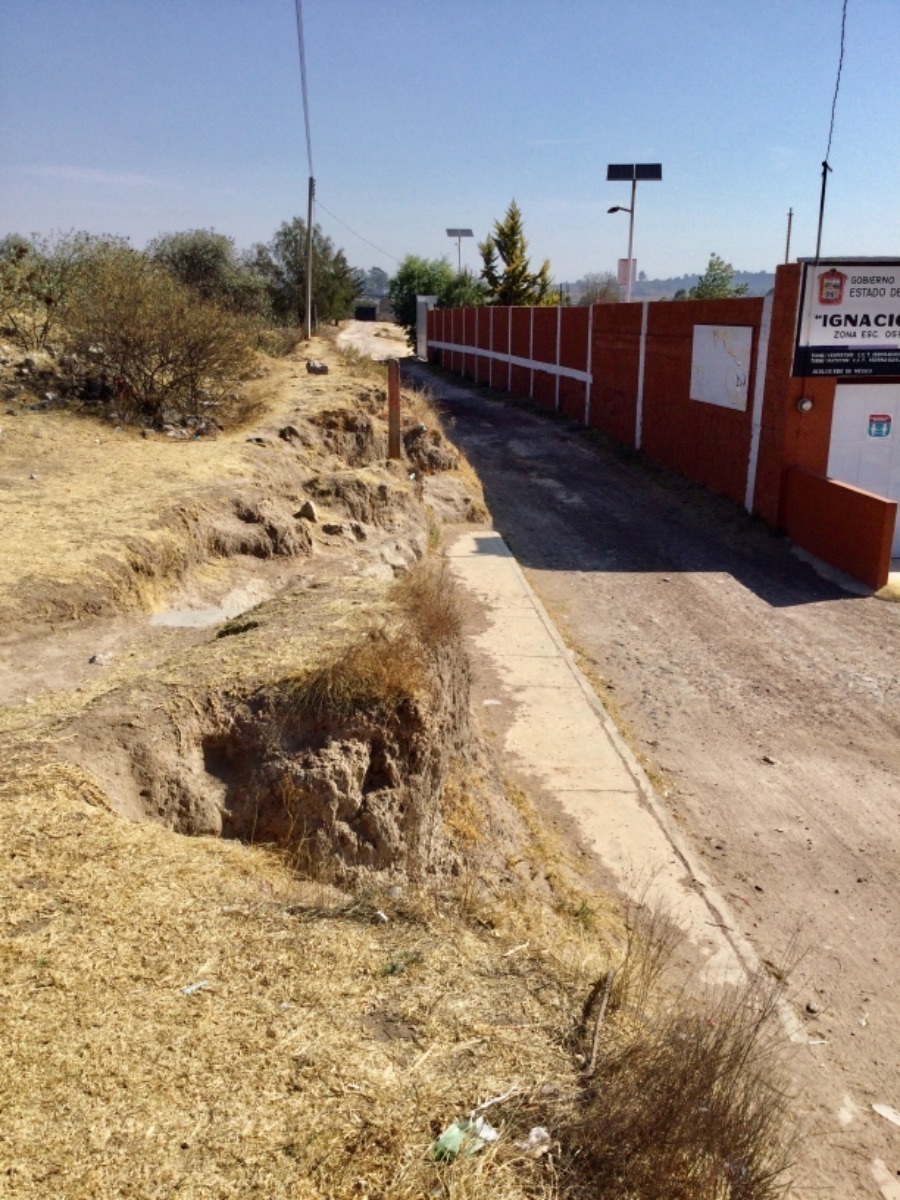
(556, 734)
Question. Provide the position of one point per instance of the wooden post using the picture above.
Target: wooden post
(393, 408)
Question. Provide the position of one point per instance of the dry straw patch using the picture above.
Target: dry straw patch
(323, 1053)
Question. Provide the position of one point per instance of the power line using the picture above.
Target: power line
(392, 257)
(837, 82)
(298, 4)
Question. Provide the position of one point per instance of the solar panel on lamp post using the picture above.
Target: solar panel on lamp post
(459, 234)
(631, 172)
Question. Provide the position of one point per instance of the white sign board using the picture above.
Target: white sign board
(720, 365)
(849, 320)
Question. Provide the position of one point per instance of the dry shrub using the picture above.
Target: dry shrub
(683, 1104)
(430, 600)
(360, 365)
(387, 666)
(379, 672)
(279, 340)
(157, 345)
(38, 276)
(652, 938)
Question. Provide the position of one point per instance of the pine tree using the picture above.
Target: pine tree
(510, 281)
(716, 283)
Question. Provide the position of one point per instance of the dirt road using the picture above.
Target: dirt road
(377, 339)
(766, 703)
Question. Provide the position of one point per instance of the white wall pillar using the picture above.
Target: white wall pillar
(424, 304)
(759, 388)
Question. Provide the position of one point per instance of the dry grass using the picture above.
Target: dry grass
(429, 598)
(96, 494)
(361, 366)
(385, 667)
(327, 1047)
(688, 1102)
(321, 1056)
(379, 672)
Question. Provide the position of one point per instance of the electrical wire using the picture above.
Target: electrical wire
(837, 82)
(298, 4)
(392, 257)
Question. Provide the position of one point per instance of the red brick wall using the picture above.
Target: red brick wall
(480, 365)
(843, 525)
(705, 442)
(543, 349)
(520, 377)
(573, 353)
(614, 367)
(500, 376)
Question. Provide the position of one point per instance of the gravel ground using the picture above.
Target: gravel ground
(765, 701)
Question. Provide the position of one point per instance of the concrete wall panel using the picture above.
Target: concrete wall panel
(844, 526)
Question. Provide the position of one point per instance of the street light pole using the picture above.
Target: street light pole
(631, 172)
(630, 241)
(459, 234)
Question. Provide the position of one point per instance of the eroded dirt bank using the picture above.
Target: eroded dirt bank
(206, 724)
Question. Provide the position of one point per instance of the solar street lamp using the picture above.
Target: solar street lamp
(459, 234)
(631, 172)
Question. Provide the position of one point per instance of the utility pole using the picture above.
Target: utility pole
(826, 170)
(309, 258)
(787, 248)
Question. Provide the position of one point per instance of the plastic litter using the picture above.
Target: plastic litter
(193, 987)
(471, 1134)
(462, 1139)
(889, 1114)
(537, 1142)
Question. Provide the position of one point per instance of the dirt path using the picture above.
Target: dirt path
(377, 339)
(767, 703)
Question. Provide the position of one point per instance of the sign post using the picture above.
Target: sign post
(393, 367)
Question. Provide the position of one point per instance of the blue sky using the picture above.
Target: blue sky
(139, 117)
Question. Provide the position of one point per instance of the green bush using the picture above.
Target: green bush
(38, 276)
(158, 347)
(209, 263)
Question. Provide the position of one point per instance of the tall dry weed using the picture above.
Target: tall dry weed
(431, 602)
(686, 1101)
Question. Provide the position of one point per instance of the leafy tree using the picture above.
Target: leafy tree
(506, 269)
(376, 283)
(599, 287)
(463, 291)
(417, 277)
(717, 282)
(282, 263)
(208, 263)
